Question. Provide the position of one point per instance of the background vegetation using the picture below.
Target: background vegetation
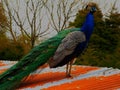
(10, 50)
(103, 48)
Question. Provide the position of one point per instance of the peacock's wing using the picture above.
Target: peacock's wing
(67, 46)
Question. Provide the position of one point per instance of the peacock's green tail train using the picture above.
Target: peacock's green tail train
(38, 56)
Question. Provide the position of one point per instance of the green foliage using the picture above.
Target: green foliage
(10, 50)
(103, 48)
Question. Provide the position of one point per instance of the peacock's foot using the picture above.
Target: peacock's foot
(69, 76)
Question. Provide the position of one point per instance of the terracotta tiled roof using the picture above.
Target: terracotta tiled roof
(84, 78)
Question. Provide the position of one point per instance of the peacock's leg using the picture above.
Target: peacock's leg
(69, 67)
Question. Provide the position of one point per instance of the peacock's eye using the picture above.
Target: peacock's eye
(93, 9)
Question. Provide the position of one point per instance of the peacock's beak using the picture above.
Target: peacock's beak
(86, 7)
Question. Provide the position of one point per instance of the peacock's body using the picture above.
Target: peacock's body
(37, 57)
(60, 49)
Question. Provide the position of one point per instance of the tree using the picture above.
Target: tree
(60, 12)
(3, 25)
(29, 24)
(3, 20)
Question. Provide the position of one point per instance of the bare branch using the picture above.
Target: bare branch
(60, 12)
(31, 23)
(10, 19)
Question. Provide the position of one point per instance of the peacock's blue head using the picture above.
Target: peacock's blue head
(92, 7)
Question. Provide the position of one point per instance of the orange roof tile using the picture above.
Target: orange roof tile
(84, 78)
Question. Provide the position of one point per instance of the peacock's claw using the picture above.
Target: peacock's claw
(68, 75)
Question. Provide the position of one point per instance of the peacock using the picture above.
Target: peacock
(57, 51)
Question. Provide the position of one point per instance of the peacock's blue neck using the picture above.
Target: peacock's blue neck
(88, 26)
